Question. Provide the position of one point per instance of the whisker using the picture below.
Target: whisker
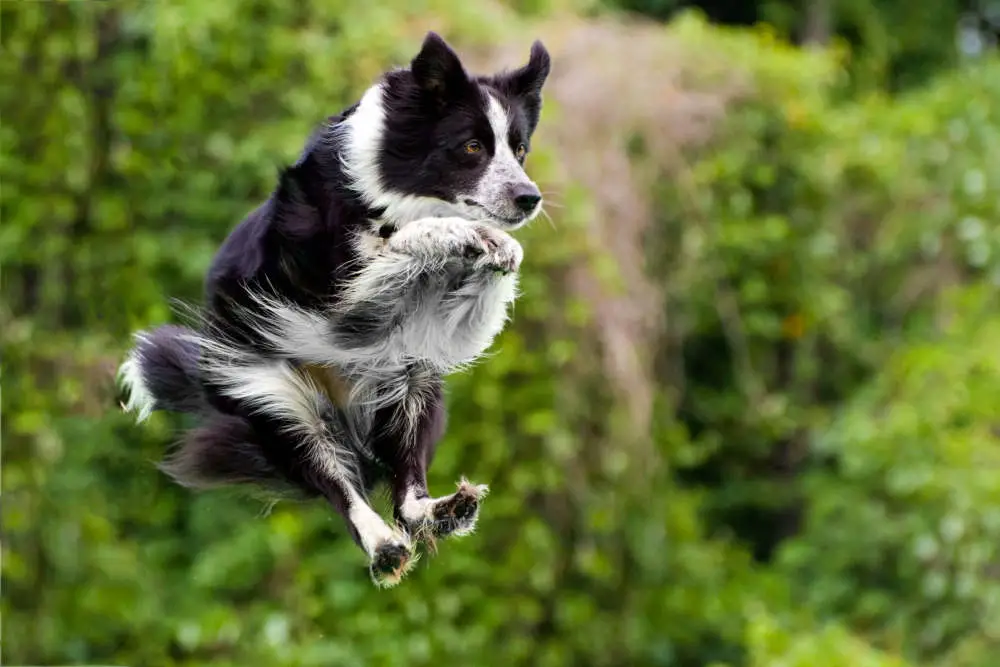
(548, 217)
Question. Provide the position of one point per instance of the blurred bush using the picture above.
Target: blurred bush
(743, 415)
(772, 643)
(893, 44)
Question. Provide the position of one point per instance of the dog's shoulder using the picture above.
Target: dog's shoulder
(293, 245)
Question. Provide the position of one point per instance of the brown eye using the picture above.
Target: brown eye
(473, 147)
(520, 151)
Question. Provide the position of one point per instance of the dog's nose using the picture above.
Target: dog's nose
(527, 203)
(526, 197)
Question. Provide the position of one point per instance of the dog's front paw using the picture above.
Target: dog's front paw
(503, 253)
(440, 239)
(392, 559)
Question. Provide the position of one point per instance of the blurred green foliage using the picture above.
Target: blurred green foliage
(818, 485)
(894, 43)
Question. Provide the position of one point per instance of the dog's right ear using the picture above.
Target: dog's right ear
(437, 68)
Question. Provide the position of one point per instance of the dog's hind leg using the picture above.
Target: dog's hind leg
(225, 449)
(285, 406)
(432, 518)
(407, 438)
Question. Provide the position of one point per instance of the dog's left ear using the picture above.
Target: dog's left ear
(437, 68)
(528, 80)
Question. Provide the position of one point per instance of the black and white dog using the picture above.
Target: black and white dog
(379, 264)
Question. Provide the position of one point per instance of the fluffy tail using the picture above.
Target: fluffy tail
(161, 373)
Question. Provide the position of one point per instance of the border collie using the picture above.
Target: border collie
(380, 263)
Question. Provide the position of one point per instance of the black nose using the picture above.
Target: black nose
(526, 197)
(527, 203)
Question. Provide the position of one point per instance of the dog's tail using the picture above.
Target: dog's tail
(161, 372)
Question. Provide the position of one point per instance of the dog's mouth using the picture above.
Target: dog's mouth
(492, 216)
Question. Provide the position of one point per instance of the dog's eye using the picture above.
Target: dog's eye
(472, 147)
(520, 151)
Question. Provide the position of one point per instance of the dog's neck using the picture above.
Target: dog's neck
(343, 171)
(320, 173)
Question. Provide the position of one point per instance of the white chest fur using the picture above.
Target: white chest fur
(436, 294)
(442, 286)
(448, 329)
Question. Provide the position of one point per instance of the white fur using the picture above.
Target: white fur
(444, 331)
(140, 399)
(503, 172)
(362, 133)
(372, 529)
(416, 510)
(436, 240)
(413, 392)
(294, 332)
(368, 243)
(420, 511)
(276, 389)
(457, 329)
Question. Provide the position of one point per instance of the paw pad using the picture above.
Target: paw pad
(457, 514)
(391, 561)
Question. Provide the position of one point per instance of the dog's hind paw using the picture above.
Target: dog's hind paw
(391, 561)
(457, 514)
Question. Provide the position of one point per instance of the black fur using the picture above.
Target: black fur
(296, 248)
(521, 90)
(169, 365)
(434, 109)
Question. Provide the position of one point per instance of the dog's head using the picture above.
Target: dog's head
(432, 140)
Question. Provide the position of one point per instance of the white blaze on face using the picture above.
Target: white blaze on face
(362, 134)
(500, 124)
(504, 171)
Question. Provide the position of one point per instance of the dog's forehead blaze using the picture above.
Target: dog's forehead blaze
(499, 119)
(506, 116)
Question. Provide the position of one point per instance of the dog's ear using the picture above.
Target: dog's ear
(437, 68)
(528, 80)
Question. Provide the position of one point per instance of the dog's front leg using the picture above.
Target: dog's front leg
(451, 272)
(432, 283)
(426, 248)
(438, 243)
